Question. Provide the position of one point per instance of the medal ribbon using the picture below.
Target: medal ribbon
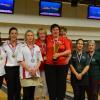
(12, 48)
(90, 56)
(31, 50)
(43, 49)
(79, 57)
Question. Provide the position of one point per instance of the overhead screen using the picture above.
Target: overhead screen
(94, 12)
(7, 6)
(50, 8)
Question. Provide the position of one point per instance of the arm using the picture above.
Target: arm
(38, 65)
(67, 52)
(22, 63)
(30, 69)
(79, 75)
(85, 70)
(73, 70)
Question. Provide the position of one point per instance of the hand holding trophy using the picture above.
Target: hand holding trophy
(56, 49)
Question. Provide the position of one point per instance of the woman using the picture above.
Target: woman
(58, 48)
(41, 42)
(2, 63)
(79, 68)
(63, 33)
(12, 67)
(94, 71)
(30, 59)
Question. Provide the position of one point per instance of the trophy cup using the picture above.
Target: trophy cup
(56, 48)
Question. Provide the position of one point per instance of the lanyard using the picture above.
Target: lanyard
(79, 57)
(43, 48)
(90, 56)
(31, 50)
(12, 48)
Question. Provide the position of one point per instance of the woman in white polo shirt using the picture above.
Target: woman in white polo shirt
(30, 59)
(12, 67)
(2, 62)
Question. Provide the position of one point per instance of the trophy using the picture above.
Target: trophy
(56, 48)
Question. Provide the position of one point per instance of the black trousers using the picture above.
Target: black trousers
(79, 92)
(56, 81)
(1, 81)
(13, 82)
(93, 89)
(28, 93)
(67, 67)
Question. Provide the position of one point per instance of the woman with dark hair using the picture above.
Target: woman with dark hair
(30, 59)
(58, 50)
(2, 63)
(79, 67)
(12, 67)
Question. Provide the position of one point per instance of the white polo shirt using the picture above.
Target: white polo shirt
(11, 61)
(2, 61)
(25, 54)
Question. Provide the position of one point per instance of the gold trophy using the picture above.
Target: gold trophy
(56, 48)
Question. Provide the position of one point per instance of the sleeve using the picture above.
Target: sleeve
(70, 61)
(67, 44)
(4, 56)
(87, 60)
(98, 58)
(3, 46)
(20, 54)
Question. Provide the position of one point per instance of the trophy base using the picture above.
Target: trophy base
(54, 60)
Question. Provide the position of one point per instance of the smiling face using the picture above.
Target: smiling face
(55, 31)
(42, 35)
(80, 45)
(29, 37)
(91, 47)
(13, 35)
(63, 31)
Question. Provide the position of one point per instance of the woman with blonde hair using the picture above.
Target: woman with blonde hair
(41, 42)
(94, 71)
(30, 59)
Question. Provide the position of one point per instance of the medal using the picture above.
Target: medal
(32, 60)
(12, 49)
(13, 55)
(79, 65)
(79, 59)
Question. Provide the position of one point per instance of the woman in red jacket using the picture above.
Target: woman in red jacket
(41, 42)
(58, 50)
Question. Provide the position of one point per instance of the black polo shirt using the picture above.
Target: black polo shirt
(94, 71)
(79, 66)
